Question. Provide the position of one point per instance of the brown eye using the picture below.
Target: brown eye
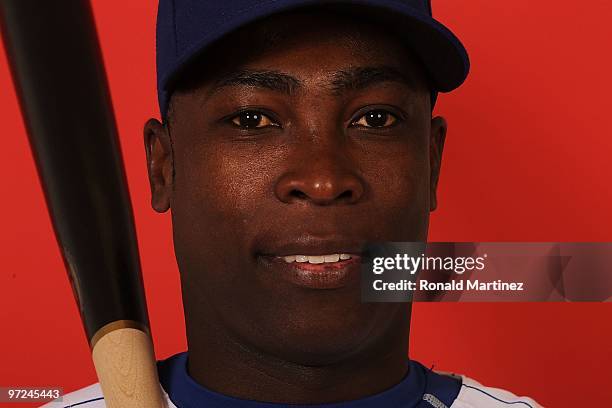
(252, 120)
(376, 119)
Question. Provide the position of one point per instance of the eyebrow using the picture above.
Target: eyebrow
(359, 78)
(353, 79)
(272, 80)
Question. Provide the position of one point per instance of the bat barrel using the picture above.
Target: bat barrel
(57, 67)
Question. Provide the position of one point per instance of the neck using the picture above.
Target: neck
(222, 363)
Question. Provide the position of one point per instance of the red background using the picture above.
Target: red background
(526, 159)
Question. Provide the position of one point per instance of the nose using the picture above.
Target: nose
(325, 180)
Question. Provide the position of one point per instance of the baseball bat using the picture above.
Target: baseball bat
(56, 65)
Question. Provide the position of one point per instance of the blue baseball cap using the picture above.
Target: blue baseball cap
(185, 28)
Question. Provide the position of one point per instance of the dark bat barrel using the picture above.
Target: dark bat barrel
(57, 68)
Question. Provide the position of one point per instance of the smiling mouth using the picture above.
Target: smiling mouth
(330, 271)
(308, 261)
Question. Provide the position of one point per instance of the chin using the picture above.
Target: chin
(315, 340)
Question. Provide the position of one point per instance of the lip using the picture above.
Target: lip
(333, 275)
(311, 245)
(316, 276)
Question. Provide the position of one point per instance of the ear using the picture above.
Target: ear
(160, 164)
(436, 146)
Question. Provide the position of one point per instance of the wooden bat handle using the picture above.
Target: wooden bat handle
(125, 364)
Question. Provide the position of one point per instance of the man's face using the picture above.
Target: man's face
(309, 137)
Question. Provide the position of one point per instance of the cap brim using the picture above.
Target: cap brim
(440, 51)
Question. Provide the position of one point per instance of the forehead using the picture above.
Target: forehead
(311, 45)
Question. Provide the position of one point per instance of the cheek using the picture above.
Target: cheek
(215, 202)
(220, 183)
(221, 198)
(399, 182)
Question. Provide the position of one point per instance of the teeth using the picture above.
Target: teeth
(316, 259)
(331, 258)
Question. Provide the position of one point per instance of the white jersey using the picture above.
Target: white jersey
(471, 395)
